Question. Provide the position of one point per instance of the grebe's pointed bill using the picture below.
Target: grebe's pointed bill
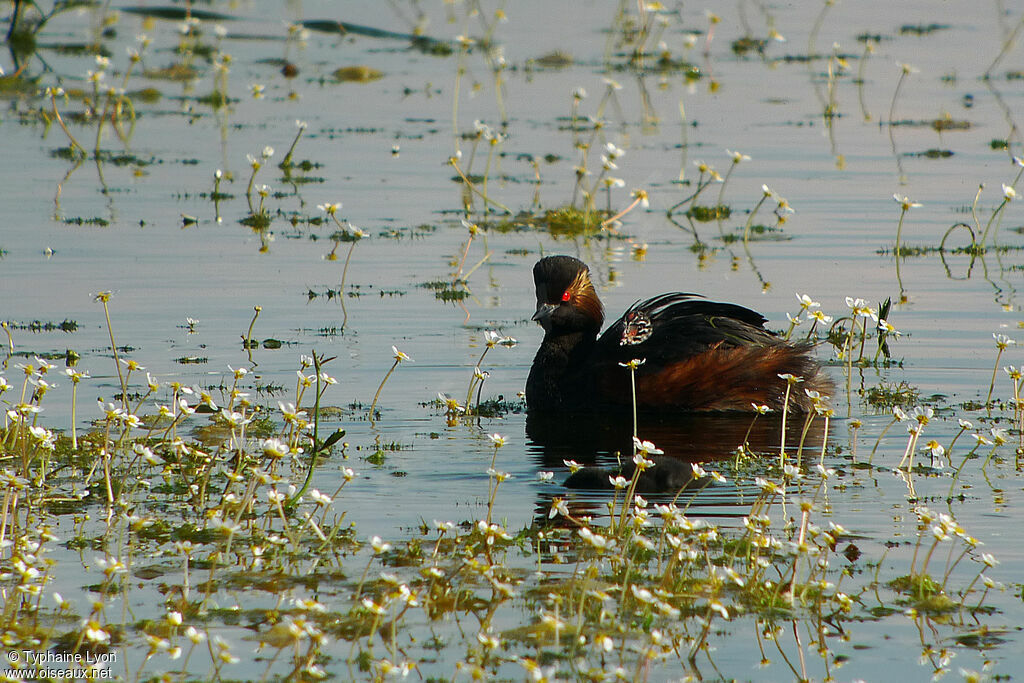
(544, 312)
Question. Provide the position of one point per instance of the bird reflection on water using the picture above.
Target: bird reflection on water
(603, 444)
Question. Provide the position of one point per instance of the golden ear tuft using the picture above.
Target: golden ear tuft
(584, 296)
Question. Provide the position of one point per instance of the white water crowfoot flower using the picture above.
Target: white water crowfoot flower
(791, 379)
(981, 439)
(379, 546)
(905, 203)
(923, 414)
(451, 406)
(819, 316)
(498, 475)
(936, 451)
(400, 356)
(330, 209)
(642, 463)
(737, 157)
(598, 541)
(274, 448)
(886, 327)
(1009, 194)
(716, 606)
(806, 302)
(290, 413)
(492, 339)
(558, 507)
(646, 447)
(859, 307)
(492, 531)
(497, 439)
(1002, 341)
(767, 486)
(573, 466)
(44, 437)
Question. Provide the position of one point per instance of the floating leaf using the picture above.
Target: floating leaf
(175, 72)
(177, 13)
(554, 60)
(357, 74)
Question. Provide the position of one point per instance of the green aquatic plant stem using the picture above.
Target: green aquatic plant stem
(750, 219)
(477, 377)
(869, 49)
(104, 298)
(785, 415)
(991, 220)
(637, 468)
(908, 452)
(341, 286)
(956, 475)
(899, 233)
(639, 197)
(373, 404)
(473, 229)
(399, 357)
(491, 144)
(803, 437)
(974, 207)
(71, 138)
(1007, 45)
(286, 163)
(460, 71)
(454, 162)
(835, 64)
(824, 438)
(248, 334)
(493, 480)
(819, 21)
(318, 361)
(702, 184)
(632, 389)
(256, 164)
(356, 234)
(10, 343)
(992, 383)
(905, 70)
(75, 379)
(725, 181)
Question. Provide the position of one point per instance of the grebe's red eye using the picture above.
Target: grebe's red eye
(566, 296)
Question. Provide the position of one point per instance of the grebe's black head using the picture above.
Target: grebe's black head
(566, 299)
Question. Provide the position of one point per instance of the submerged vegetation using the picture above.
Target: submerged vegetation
(203, 526)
